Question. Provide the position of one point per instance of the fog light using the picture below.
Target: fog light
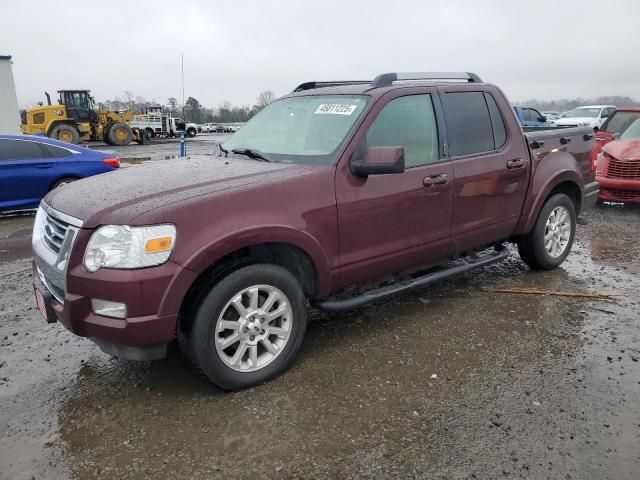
(108, 309)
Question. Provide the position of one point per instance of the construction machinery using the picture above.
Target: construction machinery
(76, 118)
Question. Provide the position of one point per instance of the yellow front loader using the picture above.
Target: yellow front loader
(77, 119)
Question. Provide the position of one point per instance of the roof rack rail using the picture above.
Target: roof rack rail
(335, 83)
(386, 79)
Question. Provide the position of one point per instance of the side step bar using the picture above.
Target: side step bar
(343, 305)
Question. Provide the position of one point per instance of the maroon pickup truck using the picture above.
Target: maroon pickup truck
(334, 185)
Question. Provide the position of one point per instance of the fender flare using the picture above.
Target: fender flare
(222, 246)
(566, 175)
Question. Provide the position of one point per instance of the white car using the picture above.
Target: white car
(589, 116)
(234, 127)
(208, 127)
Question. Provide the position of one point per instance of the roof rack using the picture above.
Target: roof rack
(336, 83)
(386, 79)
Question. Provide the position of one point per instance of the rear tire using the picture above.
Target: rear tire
(119, 134)
(550, 241)
(62, 181)
(65, 133)
(248, 327)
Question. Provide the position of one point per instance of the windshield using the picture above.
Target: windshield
(306, 130)
(619, 121)
(583, 112)
(632, 132)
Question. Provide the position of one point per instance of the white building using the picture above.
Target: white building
(9, 113)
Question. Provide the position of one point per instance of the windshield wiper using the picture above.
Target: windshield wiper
(251, 153)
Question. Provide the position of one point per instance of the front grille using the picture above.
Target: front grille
(622, 168)
(55, 231)
(624, 195)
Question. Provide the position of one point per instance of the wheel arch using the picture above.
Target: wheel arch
(62, 177)
(54, 123)
(288, 255)
(554, 172)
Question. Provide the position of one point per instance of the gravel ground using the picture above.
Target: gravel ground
(448, 382)
(164, 149)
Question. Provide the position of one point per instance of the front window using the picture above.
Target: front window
(632, 132)
(304, 130)
(620, 121)
(408, 122)
(583, 112)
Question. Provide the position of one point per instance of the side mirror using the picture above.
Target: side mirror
(542, 119)
(379, 161)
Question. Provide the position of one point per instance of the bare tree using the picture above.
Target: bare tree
(265, 98)
(129, 96)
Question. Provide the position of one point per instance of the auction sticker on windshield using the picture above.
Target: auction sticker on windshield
(335, 109)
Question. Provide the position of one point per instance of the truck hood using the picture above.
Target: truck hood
(623, 149)
(120, 196)
(574, 121)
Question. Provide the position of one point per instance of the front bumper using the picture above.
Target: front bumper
(141, 337)
(619, 189)
(152, 296)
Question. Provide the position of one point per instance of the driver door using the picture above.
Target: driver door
(388, 223)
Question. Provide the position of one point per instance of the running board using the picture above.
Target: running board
(343, 305)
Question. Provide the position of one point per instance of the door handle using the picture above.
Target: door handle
(515, 163)
(440, 179)
(44, 165)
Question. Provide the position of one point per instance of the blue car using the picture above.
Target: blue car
(530, 117)
(32, 166)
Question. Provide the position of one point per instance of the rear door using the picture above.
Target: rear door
(27, 171)
(388, 223)
(490, 166)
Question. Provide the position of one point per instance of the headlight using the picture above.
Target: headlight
(38, 226)
(121, 246)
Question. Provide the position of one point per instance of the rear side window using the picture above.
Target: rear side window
(497, 122)
(468, 123)
(20, 150)
(55, 152)
(407, 122)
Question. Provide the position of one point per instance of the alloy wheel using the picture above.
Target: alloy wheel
(557, 231)
(253, 328)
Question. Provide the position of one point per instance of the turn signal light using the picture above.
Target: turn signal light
(113, 162)
(160, 244)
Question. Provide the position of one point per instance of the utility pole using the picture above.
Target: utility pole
(183, 117)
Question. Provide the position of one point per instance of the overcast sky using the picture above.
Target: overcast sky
(235, 49)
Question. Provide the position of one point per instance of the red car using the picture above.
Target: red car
(613, 127)
(618, 167)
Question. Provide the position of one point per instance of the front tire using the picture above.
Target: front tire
(191, 132)
(249, 327)
(120, 134)
(550, 241)
(65, 133)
